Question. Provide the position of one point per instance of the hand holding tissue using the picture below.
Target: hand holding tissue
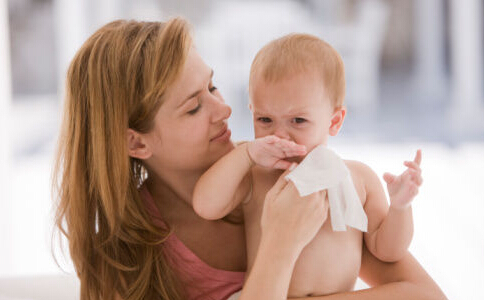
(324, 169)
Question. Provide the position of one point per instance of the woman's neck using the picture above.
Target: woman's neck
(173, 193)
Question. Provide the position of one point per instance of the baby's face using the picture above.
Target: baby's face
(295, 108)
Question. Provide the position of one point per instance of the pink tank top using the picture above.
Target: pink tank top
(200, 281)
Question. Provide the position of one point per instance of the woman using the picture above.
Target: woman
(142, 122)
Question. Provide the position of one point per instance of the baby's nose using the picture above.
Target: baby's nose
(282, 133)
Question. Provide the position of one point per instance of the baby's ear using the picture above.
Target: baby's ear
(337, 120)
(137, 145)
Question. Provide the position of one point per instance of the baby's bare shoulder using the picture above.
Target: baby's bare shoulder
(359, 169)
(363, 176)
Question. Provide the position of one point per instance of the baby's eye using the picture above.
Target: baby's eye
(264, 120)
(299, 120)
(212, 89)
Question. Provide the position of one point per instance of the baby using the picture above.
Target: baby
(297, 89)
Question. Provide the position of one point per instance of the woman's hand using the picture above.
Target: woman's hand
(289, 222)
(290, 219)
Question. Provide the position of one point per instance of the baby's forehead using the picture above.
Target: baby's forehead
(290, 106)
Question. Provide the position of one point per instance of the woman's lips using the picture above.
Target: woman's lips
(223, 135)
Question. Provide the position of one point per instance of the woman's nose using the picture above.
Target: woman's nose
(221, 111)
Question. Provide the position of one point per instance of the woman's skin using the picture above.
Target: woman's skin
(184, 144)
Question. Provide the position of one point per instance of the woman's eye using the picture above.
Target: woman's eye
(299, 120)
(264, 120)
(194, 111)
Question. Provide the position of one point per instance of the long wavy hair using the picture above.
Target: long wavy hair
(116, 81)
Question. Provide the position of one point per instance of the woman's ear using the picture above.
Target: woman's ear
(137, 145)
(337, 120)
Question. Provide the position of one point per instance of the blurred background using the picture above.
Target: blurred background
(414, 73)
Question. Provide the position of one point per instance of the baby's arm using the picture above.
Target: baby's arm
(390, 230)
(224, 186)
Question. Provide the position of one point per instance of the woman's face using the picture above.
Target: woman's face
(191, 131)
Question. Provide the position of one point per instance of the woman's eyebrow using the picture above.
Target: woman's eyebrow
(194, 93)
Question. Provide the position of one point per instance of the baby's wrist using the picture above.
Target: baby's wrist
(247, 154)
(400, 207)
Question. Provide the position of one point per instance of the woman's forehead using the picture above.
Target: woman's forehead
(194, 76)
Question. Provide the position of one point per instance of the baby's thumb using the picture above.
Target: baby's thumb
(388, 178)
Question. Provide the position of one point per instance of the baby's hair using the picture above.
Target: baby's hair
(296, 53)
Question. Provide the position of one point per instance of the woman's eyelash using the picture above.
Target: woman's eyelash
(194, 111)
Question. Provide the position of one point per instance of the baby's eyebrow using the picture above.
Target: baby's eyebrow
(261, 113)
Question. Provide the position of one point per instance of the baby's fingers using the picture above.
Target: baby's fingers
(270, 139)
(413, 166)
(290, 148)
(416, 177)
(413, 190)
(389, 178)
(412, 177)
(418, 157)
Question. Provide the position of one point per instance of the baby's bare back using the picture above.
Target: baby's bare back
(330, 263)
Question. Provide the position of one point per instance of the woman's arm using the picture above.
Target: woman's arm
(288, 224)
(405, 279)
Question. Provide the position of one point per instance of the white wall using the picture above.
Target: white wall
(5, 100)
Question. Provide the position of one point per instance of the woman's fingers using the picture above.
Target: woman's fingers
(280, 183)
(282, 164)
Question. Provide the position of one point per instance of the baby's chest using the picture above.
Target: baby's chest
(330, 263)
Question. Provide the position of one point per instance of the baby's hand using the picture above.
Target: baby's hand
(270, 151)
(402, 189)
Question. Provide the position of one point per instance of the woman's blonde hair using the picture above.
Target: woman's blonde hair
(116, 81)
(295, 53)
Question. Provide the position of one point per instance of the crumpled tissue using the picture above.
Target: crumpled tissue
(323, 169)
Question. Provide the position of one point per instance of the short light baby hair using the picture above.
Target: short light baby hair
(296, 53)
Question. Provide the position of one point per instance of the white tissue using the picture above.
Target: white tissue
(323, 169)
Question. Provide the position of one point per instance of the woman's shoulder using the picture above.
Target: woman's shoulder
(238, 143)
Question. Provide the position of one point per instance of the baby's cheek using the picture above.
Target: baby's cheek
(308, 140)
(260, 132)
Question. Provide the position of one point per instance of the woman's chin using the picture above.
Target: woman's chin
(218, 150)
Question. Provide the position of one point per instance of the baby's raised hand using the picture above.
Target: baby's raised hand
(270, 151)
(403, 188)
